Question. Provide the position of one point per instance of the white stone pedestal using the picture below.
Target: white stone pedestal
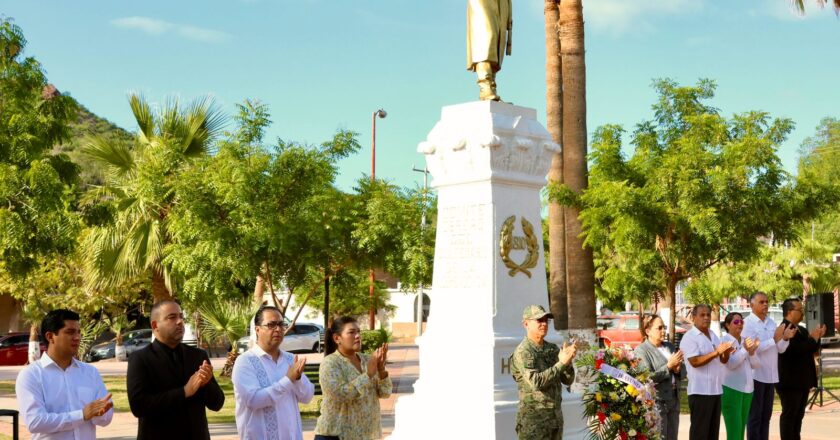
(489, 161)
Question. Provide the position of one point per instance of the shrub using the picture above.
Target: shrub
(373, 339)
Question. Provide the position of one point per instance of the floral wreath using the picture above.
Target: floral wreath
(620, 399)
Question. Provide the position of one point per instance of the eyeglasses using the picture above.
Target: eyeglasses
(274, 325)
(737, 321)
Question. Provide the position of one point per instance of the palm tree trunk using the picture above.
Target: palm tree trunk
(259, 290)
(580, 270)
(34, 351)
(557, 297)
(227, 370)
(159, 290)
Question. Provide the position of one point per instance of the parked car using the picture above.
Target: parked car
(14, 348)
(133, 341)
(623, 328)
(303, 337)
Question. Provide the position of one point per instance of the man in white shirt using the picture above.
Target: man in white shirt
(772, 341)
(268, 384)
(705, 355)
(59, 396)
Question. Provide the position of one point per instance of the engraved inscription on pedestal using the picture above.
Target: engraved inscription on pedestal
(463, 229)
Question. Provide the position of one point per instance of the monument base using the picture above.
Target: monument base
(489, 161)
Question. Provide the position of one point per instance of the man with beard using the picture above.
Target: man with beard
(269, 384)
(170, 384)
(540, 370)
(60, 397)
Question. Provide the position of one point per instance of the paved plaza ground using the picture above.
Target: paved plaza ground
(819, 424)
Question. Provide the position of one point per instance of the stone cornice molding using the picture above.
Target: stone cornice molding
(506, 145)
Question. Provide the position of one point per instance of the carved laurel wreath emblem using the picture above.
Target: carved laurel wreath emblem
(506, 242)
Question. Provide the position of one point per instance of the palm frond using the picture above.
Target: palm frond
(114, 155)
(225, 320)
(143, 115)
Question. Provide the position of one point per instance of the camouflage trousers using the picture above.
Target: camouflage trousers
(540, 425)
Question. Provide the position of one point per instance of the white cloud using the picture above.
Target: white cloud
(619, 17)
(156, 27)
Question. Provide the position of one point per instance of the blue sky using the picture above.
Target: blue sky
(322, 65)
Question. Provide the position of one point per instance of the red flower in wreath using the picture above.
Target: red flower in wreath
(623, 435)
(598, 363)
(602, 417)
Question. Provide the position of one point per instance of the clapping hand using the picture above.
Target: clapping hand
(818, 333)
(675, 361)
(295, 370)
(789, 332)
(98, 407)
(200, 378)
(567, 353)
(383, 358)
(751, 345)
(373, 362)
(724, 349)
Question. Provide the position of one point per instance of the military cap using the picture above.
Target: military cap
(535, 311)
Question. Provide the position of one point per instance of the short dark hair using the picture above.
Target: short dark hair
(54, 321)
(156, 308)
(787, 305)
(728, 320)
(697, 308)
(258, 317)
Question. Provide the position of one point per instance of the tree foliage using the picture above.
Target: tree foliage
(36, 187)
(699, 189)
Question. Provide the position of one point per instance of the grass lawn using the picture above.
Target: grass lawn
(116, 386)
(831, 381)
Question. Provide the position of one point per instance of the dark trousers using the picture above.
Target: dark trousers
(326, 437)
(705, 417)
(669, 416)
(758, 423)
(794, 402)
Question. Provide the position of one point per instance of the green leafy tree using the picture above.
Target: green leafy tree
(36, 187)
(140, 187)
(699, 189)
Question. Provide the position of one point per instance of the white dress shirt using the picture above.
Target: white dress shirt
(739, 370)
(708, 379)
(768, 351)
(52, 400)
(267, 409)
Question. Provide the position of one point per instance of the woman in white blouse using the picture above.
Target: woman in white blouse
(738, 377)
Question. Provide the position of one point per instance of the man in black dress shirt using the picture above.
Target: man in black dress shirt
(797, 372)
(170, 384)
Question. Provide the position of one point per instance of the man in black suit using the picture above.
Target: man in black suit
(797, 372)
(170, 384)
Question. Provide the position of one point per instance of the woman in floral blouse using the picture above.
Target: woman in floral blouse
(352, 383)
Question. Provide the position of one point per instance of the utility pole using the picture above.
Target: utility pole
(421, 296)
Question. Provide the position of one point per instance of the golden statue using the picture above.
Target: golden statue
(489, 26)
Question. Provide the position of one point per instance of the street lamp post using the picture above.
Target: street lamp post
(377, 114)
(421, 296)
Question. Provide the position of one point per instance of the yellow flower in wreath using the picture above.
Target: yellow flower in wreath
(631, 390)
(615, 417)
(614, 396)
(598, 397)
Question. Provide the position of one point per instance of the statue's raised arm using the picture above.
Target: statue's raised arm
(489, 25)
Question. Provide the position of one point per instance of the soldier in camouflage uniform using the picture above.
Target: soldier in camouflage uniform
(540, 369)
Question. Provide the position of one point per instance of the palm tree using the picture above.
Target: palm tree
(225, 321)
(32, 314)
(580, 269)
(118, 325)
(554, 121)
(140, 186)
